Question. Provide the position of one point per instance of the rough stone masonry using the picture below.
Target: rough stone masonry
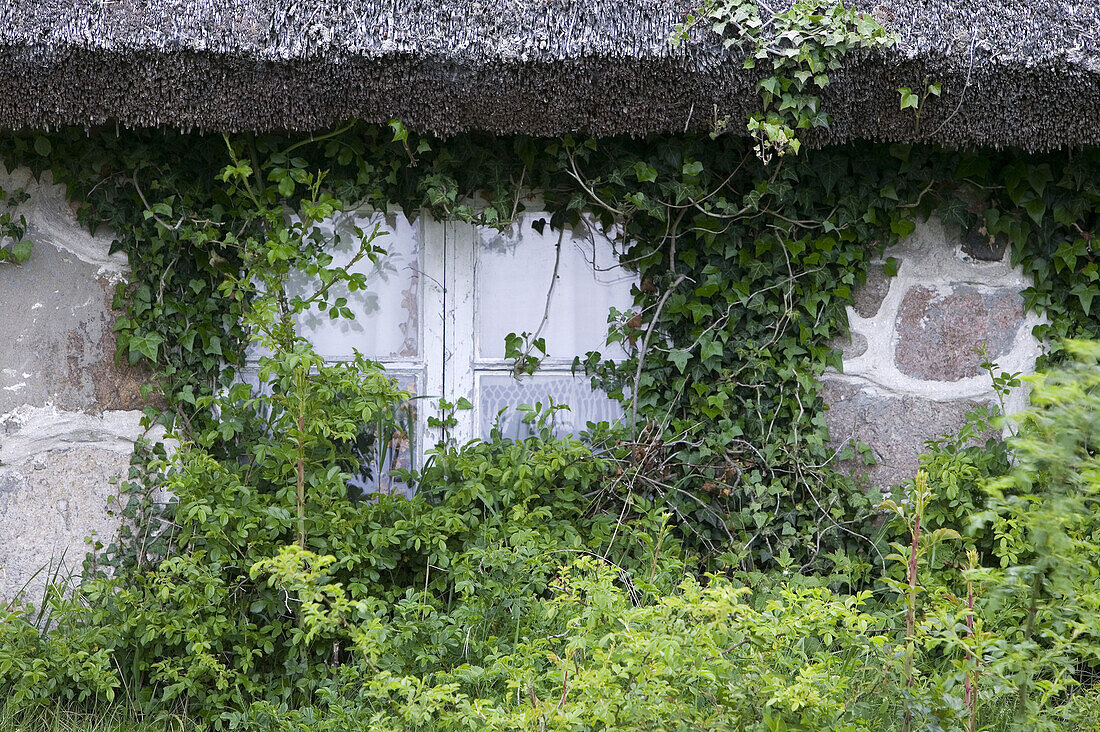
(69, 414)
(911, 370)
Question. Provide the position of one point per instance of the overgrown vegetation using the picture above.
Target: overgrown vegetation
(702, 566)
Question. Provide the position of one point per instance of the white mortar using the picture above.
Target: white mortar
(928, 262)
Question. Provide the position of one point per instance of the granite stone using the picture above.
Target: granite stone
(937, 333)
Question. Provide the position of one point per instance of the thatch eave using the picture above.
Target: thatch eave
(1012, 74)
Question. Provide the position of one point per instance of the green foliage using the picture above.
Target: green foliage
(232, 616)
(539, 582)
(1044, 515)
(1046, 210)
(764, 259)
(58, 719)
(1014, 620)
(607, 650)
(798, 48)
(14, 247)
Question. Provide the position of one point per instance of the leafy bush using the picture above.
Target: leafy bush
(537, 583)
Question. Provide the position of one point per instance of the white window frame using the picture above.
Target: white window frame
(449, 359)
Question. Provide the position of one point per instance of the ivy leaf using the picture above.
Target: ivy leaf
(902, 227)
(42, 145)
(891, 266)
(1038, 176)
(644, 172)
(700, 311)
(21, 251)
(771, 85)
(680, 357)
(831, 169)
(400, 133)
(711, 350)
(908, 98)
(1084, 294)
(147, 345)
(1035, 207)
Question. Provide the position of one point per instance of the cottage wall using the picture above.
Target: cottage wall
(911, 370)
(69, 414)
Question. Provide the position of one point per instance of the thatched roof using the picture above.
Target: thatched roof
(1014, 72)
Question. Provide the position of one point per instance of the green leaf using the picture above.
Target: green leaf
(21, 251)
(693, 168)
(1038, 176)
(680, 358)
(902, 227)
(1085, 295)
(146, 345)
(644, 172)
(891, 266)
(400, 134)
(711, 349)
(42, 145)
(1035, 208)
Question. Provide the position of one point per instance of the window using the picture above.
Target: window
(441, 302)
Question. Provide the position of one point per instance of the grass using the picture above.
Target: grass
(56, 719)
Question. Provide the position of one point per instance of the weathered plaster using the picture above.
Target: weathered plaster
(57, 473)
(69, 414)
(51, 220)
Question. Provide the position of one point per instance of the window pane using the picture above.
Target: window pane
(387, 312)
(514, 274)
(501, 391)
(387, 444)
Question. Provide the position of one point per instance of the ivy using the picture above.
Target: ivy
(797, 49)
(15, 248)
(744, 267)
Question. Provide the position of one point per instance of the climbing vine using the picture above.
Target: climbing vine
(744, 267)
(745, 264)
(797, 48)
(747, 253)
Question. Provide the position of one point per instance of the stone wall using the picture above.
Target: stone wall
(68, 414)
(910, 368)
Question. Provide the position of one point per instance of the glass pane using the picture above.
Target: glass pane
(391, 441)
(388, 444)
(515, 270)
(387, 312)
(501, 391)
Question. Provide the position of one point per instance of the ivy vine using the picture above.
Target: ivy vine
(745, 270)
(747, 252)
(797, 48)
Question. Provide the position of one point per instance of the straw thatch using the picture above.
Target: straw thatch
(1014, 72)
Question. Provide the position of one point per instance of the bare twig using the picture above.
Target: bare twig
(645, 347)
